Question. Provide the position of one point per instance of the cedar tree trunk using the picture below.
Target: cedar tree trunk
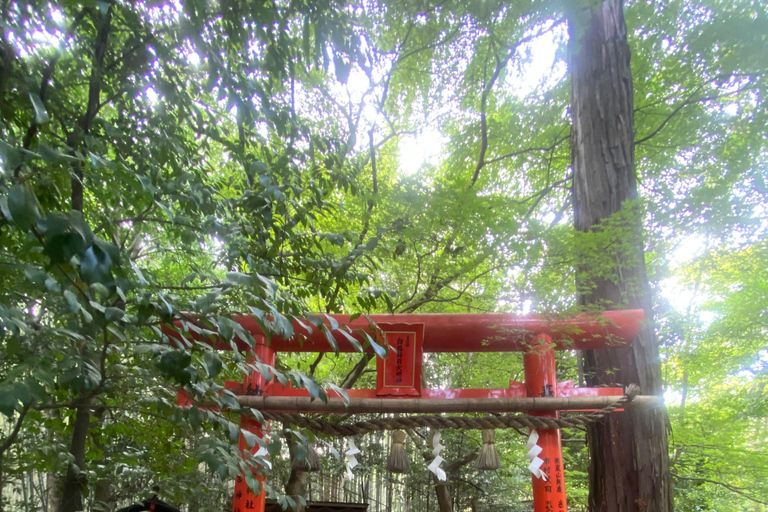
(629, 463)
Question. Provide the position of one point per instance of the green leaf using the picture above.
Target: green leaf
(96, 306)
(41, 115)
(239, 278)
(315, 391)
(334, 323)
(139, 274)
(36, 275)
(380, 351)
(251, 439)
(98, 162)
(96, 266)
(117, 333)
(331, 340)
(226, 328)
(275, 447)
(61, 248)
(4, 208)
(7, 401)
(87, 317)
(113, 314)
(341, 391)
(21, 392)
(74, 304)
(52, 155)
(212, 363)
(352, 340)
(52, 285)
(234, 432)
(175, 364)
(371, 244)
(22, 206)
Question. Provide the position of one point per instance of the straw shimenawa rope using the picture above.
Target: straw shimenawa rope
(504, 421)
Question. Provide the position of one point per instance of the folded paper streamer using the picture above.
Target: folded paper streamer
(351, 460)
(533, 455)
(262, 452)
(434, 467)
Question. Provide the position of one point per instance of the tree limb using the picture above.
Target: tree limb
(316, 362)
(94, 92)
(16, 428)
(45, 81)
(732, 488)
(357, 371)
(528, 150)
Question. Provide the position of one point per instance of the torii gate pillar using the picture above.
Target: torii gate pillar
(541, 380)
(244, 499)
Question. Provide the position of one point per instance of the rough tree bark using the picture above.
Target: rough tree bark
(629, 468)
(297, 481)
(72, 486)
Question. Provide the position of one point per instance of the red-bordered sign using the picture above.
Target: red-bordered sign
(399, 374)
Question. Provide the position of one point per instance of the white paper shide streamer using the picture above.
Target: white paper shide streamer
(351, 459)
(533, 455)
(434, 467)
(262, 452)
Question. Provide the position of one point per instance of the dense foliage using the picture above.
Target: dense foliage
(163, 160)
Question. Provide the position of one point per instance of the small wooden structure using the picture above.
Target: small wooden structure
(319, 506)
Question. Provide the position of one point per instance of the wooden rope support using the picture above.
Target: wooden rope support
(503, 421)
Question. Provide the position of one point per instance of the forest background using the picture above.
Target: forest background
(284, 158)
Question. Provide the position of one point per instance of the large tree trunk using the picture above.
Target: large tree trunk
(74, 480)
(629, 468)
(297, 481)
(443, 493)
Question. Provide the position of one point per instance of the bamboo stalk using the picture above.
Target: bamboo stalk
(440, 405)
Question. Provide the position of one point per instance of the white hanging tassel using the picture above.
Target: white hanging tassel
(398, 458)
(351, 460)
(488, 458)
(434, 467)
(311, 461)
(533, 455)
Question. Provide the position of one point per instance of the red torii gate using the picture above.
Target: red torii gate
(399, 374)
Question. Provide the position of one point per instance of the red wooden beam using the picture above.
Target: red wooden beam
(498, 332)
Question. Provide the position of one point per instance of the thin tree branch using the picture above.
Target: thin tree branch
(16, 428)
(46, 79)
(500, 64)
(316, 362)
(732, 488)
(528, 150)
(357, 371)
(691, 101)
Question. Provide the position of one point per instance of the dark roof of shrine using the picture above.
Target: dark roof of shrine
(321, 506)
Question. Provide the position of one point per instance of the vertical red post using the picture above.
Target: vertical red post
(541, 380)
(245, 499)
